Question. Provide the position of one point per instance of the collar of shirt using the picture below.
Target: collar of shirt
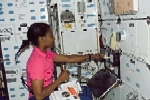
(45, 55)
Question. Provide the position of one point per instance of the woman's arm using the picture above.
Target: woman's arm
(70, 58)
(36, 72)
(40, 93)
(76, 58)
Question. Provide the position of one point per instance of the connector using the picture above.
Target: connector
(4, 38)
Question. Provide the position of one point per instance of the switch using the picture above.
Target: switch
(82, 17)
(19, 29)
(23, 25)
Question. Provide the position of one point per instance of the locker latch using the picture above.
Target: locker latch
(3, 60)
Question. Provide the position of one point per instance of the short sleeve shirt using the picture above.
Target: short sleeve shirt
(40, 66)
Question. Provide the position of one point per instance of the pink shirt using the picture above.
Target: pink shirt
(40, 66)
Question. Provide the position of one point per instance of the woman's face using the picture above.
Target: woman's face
(49, 39)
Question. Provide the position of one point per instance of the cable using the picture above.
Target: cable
(83, 7)
(26, 86)
(59, 51)
(54, 21)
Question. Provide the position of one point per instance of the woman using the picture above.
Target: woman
(40, 65)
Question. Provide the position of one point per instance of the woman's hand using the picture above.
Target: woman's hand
(64, 75)
(98, 56)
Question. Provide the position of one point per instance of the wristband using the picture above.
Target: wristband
(89, 57)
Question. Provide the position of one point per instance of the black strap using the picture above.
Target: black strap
(26, 86)
(89, 57)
